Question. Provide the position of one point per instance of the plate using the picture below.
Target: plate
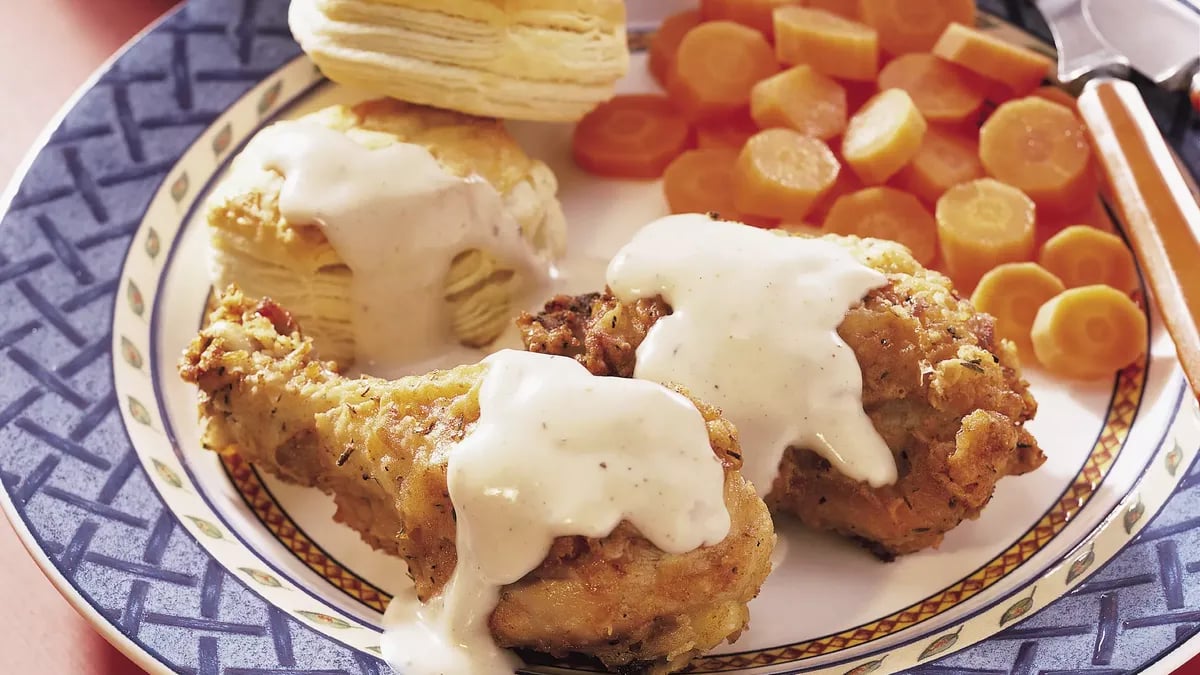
(191, 563)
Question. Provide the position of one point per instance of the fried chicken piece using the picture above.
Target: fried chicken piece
(380, 448)
(942, 391)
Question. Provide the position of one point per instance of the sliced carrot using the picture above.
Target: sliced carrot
(947, 157)
(802, 99)
(982, 224)
(716, 66)
(914, 25)
(754, 14)
(701, 181)
(665, 43)
(846, 8)
(831, 44)
(630, 136)
(886, 213)
(1043, 149)
(1013, 293)
(1089, 332)
(1084, 256)
(1057, 95)
(943, 92)
(1021, 70)
(846, 183)
(731, 132)
(883, 136)
(782, 173)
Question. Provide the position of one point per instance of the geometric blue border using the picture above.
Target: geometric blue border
(71, 476)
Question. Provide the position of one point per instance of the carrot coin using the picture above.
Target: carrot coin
(631, 136)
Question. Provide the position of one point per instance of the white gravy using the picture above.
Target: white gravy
(397, 219)
(754, 332)
(556, 452)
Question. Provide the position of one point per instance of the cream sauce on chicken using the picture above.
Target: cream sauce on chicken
(754, 332)
(397, 219)
(556, 452)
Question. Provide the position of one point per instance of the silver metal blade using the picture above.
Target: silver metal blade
(1159, 38)
(1081, 51)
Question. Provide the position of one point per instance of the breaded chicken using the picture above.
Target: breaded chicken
(380, 448)
(944, 393)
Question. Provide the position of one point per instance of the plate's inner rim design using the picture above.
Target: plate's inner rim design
(1098, 461)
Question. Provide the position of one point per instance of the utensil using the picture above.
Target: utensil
(1161, 216)
(1098, 37)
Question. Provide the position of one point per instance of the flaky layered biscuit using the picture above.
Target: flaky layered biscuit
(547, 60)
(254, 246)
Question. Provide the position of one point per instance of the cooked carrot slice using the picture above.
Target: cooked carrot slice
(1089, 332)
(1013, 293)
(1020, 69)
(665, 43)
(701, 181)
(886, 213)
(883, 136)
(845, 8)
(716, 66)
(1084, 256)
(982, 224)
(847, 182)
(782, 173)
(914, 25)
(731, 132)
(756, 14)
(1056, 95)
(800, 98)
(947, 157)
(831, 44)
(942, 91)
(630, 136)
(1041, 148)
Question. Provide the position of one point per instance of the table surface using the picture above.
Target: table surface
(57, 44)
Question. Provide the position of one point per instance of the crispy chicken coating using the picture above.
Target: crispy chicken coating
(380, 448)
(944, 393)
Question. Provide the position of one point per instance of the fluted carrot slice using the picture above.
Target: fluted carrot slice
(831, 44)
(754, 14)
(716, 66)
(914, 25)
(942, 91)
(802, 99)
(665, 43)
(731, 132)
(883, 136)
(1020, 69)
(1041, 148)
(847, 182)
(947, 157)
(782, 173)
(1089, 332)
(701, 181)
(1013, 293)
(982, 224)
(846, 8)
(886, 213)
(630, 136)
(1057, 95)
(1084, 256)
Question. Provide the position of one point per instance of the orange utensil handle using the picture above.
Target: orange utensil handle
(1162, 218)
